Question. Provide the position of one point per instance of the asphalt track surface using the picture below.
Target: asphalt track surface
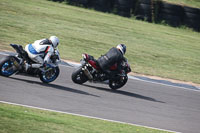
(138, 102)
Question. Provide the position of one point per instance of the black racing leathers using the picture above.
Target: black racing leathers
(110, 58)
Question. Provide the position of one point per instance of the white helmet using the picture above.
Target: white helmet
(54, 40)
(122, 48)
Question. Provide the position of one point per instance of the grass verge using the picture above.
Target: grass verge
(151, 49)
(17, 119)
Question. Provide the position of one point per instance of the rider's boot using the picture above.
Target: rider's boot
(26, 66)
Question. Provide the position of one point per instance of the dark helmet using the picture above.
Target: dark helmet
(122, 48)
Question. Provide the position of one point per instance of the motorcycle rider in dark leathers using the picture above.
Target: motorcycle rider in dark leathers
(114, 55)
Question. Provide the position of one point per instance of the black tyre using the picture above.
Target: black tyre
(116, 84)
(144, 18)
(172, 12)
(170, 19)
(189, 15)
(124, 8)
(7, 67)
(145, 10)
(91, 3)
(192, 10)
(124, 3)
(50, 75)
(78, 76)
(173, 7)
(84, 2)
(194, 24)
(145, 2)
(102, 5)
(73, 1)
(124, 14)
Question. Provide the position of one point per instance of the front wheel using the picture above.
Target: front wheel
(7, 66)
(50, 75)
(78, 76)
(116, 84)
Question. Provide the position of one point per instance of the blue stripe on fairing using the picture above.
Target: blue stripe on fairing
(32, 50)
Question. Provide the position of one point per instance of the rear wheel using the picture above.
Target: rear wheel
(78, 76)
(7, 67)
(116, 84)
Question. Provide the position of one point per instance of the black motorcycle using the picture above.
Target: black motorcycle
(90, 71)
(10, 65)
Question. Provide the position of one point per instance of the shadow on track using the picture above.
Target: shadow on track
(124, 93)
(55, 86)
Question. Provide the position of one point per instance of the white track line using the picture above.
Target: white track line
(134, 78)
(85, 116)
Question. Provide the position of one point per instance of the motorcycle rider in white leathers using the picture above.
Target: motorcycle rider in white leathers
(40, 51)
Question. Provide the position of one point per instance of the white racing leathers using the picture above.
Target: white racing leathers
(40, 51)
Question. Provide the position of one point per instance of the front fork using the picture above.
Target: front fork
(86, 71)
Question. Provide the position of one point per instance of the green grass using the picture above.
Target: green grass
(192, 3)
(17, 119)
(151, 49)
